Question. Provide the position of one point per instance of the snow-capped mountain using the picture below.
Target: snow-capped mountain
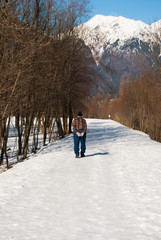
(118, 43)
(101, 31)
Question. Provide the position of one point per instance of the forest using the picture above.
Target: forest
(139, 104)
(44, 70)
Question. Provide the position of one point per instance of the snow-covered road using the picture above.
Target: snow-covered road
(112, 194)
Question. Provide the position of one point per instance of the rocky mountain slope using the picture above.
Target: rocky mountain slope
(121, 48)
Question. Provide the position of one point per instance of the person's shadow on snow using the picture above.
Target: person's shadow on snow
(96, 154)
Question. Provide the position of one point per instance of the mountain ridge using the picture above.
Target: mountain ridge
(118, 43)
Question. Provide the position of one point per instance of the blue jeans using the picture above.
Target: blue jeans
(76, 143)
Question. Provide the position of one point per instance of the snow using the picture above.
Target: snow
(12, 144)
(100, 32)
(111, 24)
(113, 193)
(156, 26)
(114, 28)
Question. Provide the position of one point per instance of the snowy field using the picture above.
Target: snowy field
(112, 194)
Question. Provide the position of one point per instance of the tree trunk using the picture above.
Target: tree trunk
(29, 122)
(59, 126)
(70, 117)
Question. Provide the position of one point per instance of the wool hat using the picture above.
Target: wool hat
(80, 114)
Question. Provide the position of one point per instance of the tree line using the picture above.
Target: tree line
(44, 70)
(139, 103)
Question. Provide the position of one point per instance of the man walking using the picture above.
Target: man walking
(79, 128)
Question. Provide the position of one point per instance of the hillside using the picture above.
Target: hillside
(121, 47)
(113, 193)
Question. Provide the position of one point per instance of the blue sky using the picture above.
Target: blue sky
(147, 11)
